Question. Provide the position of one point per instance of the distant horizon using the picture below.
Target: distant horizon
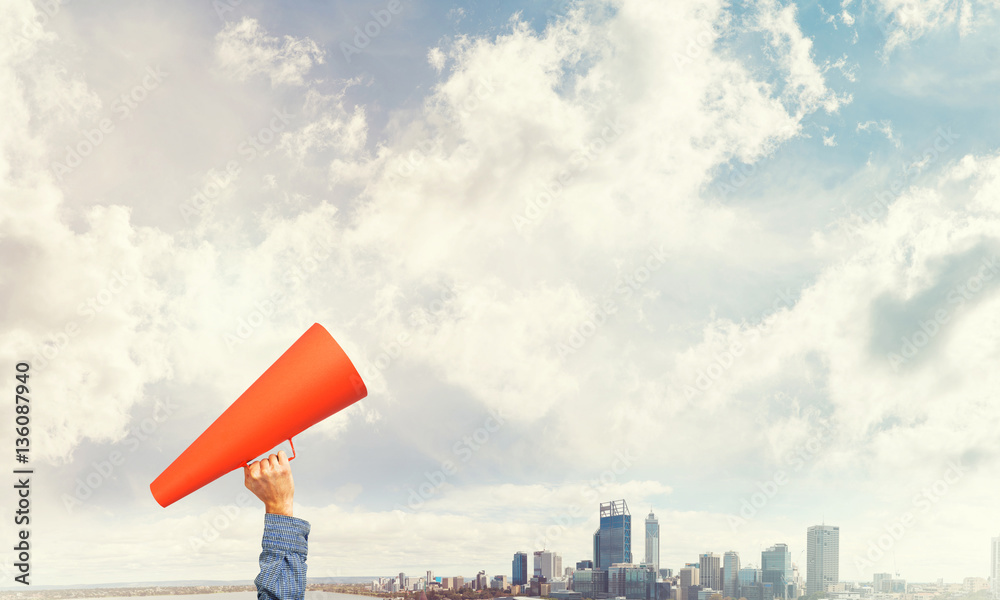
(310, 580)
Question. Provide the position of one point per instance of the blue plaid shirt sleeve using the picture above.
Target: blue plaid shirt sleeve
(283, 559)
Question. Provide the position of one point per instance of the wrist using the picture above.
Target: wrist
(279, 508)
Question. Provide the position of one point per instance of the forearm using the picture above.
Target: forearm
(283, 558)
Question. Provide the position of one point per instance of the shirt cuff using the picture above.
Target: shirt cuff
(284, 533)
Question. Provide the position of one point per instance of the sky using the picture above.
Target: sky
(735, 263)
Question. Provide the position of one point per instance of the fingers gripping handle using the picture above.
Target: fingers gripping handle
(290, 443)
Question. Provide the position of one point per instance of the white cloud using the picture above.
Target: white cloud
(841, 64)
(436, 58)
(328, 126)
(884, 127)
(804, 80)
(904, 21)
(547, 193)
(847, 327)
(244, 50)
(456, 14)
(81, 305)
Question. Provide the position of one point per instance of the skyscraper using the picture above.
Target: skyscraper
(519, 570)
(822, 557)
(653, 541)
(881, 582)
(776, 568)
(537, 571)
(548, 564)
(613, 541)
(748, 576)
(995, 569)
(597, 547)
(730, 574)
(690, 578)
(710, 570)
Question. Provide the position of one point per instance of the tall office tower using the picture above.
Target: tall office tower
(709, 566)
(402, 581)
(613, 541)
(822, 557)
(537, 571)
(690, 577)
(995, 569)
(880, 582)
(747, 577)
(429, 579)
(597, 547)
(548, 564)
(519, 569)
(653, 541)
(776, 568)
(584, 564)
(730, 574)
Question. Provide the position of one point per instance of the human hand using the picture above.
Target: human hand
(270, 479)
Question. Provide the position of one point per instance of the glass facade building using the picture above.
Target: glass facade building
(730, 574)
(613, 541)
(652, 541)
(591, 583)
(776, 568)
(519, 570)
(634, 582)
(747, 577)
(758, 591)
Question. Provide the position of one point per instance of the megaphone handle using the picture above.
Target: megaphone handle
(289, 458)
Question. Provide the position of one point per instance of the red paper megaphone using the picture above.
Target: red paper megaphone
(309, 382)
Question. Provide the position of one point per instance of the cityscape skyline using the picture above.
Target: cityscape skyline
(775, 567)
(776, 577)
